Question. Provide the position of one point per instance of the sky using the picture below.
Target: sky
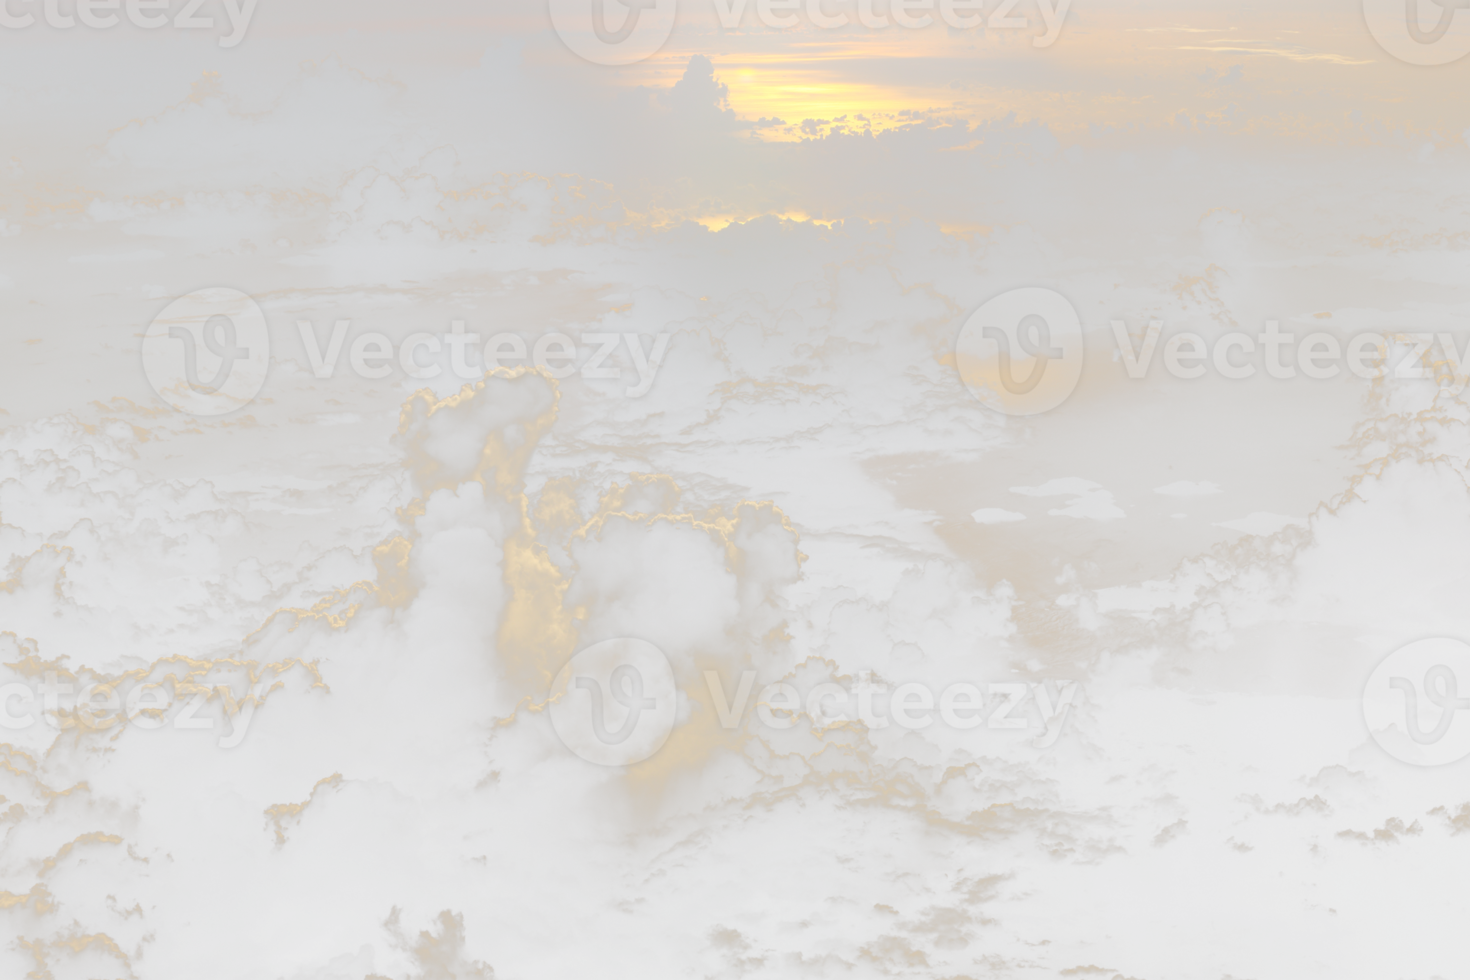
(769, 448)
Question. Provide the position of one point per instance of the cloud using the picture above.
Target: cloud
(206, 213)
(1375, 523)
(325, 109)
(1293, 53)
(1389, 835)
(500, 62)
(62, 434)
(700, 99)
(1170, 833)
(1307, 807)
(847, 365)
(1182, 157)
(794, 495)
(1020, 156)
(1129, 666)
(415, 210)
(141, 255)
(1226, 234)
(1209, 294)
(431, 655)
(1342, 785)
(1231, 77)
(1456, 822)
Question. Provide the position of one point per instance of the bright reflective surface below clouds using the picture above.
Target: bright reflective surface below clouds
(469, 510)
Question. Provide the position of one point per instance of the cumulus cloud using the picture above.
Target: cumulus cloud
(700, 99)
(471, 604)
(1226, 234)
(1392, 833)
(205, 212)
(375, 580)
(415, 210)
(1019, 156)
(1456, 822)
(327, 107)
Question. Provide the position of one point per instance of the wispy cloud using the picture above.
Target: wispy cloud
(1293, 54)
